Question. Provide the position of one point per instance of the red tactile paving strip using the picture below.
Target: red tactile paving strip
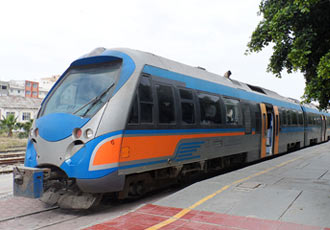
(150, 215)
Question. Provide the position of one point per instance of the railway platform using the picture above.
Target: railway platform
(284, 193)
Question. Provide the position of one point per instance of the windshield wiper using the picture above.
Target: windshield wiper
(94, 101)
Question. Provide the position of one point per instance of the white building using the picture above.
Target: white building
(21, 107)
(16, 88)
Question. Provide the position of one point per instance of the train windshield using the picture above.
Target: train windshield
(83, 91)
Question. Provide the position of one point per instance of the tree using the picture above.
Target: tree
(300, 33)
(26, 126)
(9, 124)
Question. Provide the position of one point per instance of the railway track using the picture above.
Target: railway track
(10, 158)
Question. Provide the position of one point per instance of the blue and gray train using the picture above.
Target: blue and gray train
(122, 122)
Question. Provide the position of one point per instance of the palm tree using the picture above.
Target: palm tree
(26, 126)
(9, 124)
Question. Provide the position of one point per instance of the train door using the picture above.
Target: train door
(276, 129)
(269, 130)
(263, 130)
(323, 127)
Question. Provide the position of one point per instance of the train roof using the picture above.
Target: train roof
(144, 58)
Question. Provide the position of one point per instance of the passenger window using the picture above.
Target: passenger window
(209, 109)
(146, 113)
(146, 101)
(288, 117)
(310, 119)
(145, 90)
(294, 118)
(187, 106)
(134, 115)
(188, 112)
(233, 114)
(186, 94)
(258, 122)
(300, 119)
(165, 104)
(284, 117)
(247, 119)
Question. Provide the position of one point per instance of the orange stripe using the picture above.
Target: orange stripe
(158, 146)
(108, 152)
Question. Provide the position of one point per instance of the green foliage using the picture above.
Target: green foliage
(300, 33)
(26, 126)
(8, 124)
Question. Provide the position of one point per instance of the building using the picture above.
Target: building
(24, 108)
(32, 89)
(23, 98)
(16, 88)
(45, 85)
(48, 82)
(4, 88)
(27, 88)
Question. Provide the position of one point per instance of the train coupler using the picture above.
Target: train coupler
(28, 182)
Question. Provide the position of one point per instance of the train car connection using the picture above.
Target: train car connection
(124, 122)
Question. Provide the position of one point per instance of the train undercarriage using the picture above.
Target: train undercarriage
(59, 190)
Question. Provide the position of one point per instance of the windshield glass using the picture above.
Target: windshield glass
(83, 91)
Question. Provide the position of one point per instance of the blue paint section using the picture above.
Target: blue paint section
(212, 87)
(185, 155)
(311, 110)
(189, 151)
(292, 129)
(313, 128)
(188, 158)
(142, 164)
(58, 126)
(33, 187)
(38, 179)
(185, 151)
(189, 147)
(30, 155)
(77, 166)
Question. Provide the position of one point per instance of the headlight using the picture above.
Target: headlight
(77, 133)
(89, 133)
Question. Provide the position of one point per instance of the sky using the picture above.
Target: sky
(40, 38)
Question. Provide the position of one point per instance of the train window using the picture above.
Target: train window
(247, 118)
(285, 120)
(233, 115)
(258, 122)
(165, 104)
(294, 120)
(188, 112)
(145, 90)
(314, 119)
(134, 115)
(83, 90)
(186, 94)
(146, 101)
(146, 113)
(209, 109)
(300, 118)
(288, 117)
(187, 106)
(310, 119)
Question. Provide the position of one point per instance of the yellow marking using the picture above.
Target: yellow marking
(203, 200)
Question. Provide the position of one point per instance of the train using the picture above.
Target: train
(124, 122)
